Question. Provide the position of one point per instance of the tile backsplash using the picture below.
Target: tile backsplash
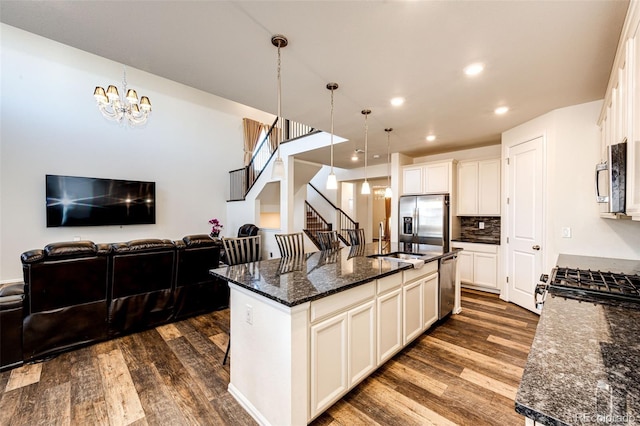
(469, 227)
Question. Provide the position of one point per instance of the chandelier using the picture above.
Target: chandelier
(114, 107)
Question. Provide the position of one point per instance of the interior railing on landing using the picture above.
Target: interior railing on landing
(282, 130)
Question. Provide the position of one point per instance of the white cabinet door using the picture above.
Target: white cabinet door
(412, 303)
(328, 362)
(465, 266)
(436, 178)
(362, 342)
(485, 269)
(412, 178)
(430, 301)
(489, 187)
(633, 145)
(389, 324)
(468, 188)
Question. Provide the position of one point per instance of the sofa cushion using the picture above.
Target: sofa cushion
(71, 249)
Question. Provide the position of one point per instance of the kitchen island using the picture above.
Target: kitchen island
(305, 330)
(584, 363)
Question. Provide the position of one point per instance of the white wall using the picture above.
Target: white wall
(491, 151)
(572, 151)
(50, 125)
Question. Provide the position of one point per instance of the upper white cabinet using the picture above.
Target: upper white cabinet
(620, 117)
(479, 188)
(412, 179)
(428, 178)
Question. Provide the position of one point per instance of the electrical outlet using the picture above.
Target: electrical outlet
(566, 232)
(480, 225)
(249, 315)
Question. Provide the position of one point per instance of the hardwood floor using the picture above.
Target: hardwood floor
(463, 371)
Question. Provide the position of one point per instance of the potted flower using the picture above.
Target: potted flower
(216, 227)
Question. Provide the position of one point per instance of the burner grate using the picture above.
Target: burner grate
(598, 282)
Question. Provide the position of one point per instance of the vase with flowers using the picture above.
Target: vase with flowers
(216, 227)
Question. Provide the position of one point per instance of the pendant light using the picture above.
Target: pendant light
(366, 189)
(387, 192)
(332, 182)
(277, 172)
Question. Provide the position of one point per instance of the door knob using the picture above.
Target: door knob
(536, 247)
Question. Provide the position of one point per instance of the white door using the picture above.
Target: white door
(525, 213)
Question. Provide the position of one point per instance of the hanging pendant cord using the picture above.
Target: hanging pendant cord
(388, 160)
(332, 130)
(366, 131)
(279, 102)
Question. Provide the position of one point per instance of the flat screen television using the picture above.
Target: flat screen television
(86, 201)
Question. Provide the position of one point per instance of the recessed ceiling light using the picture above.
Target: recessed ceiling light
(474, 69)
(431, 138)
(397, 101)
(501, 110)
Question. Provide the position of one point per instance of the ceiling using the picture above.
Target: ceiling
(538, 56)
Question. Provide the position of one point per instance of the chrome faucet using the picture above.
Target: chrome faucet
(381, 236)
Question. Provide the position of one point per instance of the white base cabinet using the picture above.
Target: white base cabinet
(478, 264)
(339, 340)
(389, 324)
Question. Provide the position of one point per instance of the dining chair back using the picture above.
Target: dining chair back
(290, 244)
(356, 236)
(328, 240)
(242, 250)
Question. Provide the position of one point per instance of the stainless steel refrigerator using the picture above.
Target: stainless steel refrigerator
(424, 219)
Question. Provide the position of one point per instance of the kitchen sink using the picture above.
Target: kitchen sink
(399, 256)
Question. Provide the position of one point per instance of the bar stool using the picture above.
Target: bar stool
(240, 250)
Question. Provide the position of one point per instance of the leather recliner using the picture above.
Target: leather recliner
(197, 291)
(11, 301)
(65, 297)
(142, 284)
(248, 230)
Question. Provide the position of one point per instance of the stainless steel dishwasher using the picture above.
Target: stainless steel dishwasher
(447, 284)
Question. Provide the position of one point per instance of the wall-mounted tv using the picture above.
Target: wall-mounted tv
(85, 201)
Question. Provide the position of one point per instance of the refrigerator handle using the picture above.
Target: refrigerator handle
(416, 219)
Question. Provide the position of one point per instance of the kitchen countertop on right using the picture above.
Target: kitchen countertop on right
(584, 364)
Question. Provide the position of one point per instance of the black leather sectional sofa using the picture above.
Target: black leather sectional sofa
(78, 293)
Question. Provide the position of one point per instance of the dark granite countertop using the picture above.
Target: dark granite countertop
(296, 280)
(477, 240)
(584, 363)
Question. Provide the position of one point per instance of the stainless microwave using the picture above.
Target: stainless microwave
(611, 176)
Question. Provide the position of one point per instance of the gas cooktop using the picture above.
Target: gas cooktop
(585, 284)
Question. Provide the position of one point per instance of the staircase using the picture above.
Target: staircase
(314, 222)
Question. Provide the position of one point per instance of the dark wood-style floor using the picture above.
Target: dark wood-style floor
(463, 371)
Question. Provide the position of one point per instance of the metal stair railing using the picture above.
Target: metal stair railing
(314, 222)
